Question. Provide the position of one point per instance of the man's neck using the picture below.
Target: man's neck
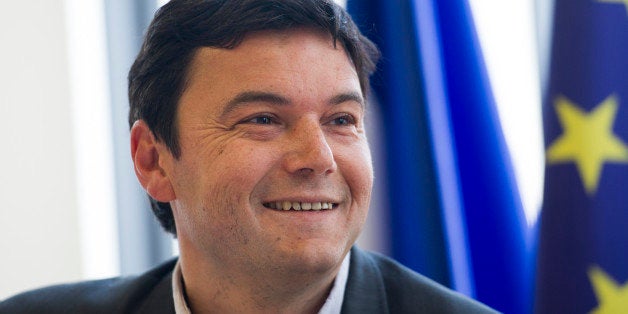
(211, 290)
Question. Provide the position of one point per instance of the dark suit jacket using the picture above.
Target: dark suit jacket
(376, 284)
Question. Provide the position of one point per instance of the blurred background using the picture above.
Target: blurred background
(73, 210)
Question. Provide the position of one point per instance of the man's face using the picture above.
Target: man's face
(274, 124)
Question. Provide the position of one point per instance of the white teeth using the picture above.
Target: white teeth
(287, 205)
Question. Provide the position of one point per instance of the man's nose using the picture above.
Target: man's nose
(308, 151)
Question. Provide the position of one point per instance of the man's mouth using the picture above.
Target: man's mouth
(288, 205)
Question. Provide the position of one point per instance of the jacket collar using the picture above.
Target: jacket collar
(365, 291)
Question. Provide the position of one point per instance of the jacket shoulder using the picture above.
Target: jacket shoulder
(133, 294)
(406, 291)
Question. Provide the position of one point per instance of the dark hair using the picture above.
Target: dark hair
(157, 78)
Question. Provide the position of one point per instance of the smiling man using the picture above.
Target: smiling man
(247, 132)
(272, 183)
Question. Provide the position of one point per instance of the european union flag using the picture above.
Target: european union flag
(455, 210)
(583, 250)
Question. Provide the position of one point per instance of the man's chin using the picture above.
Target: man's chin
(313, 259)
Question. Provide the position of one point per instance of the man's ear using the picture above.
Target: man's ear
(146, 152)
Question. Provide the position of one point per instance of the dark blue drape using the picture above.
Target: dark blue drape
(454, 206)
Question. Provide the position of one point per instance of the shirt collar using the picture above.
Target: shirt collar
(332, 305)
(178, 292)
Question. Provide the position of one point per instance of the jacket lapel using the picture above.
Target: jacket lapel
(365, 291)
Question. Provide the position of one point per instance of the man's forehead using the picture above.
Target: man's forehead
(272, 51)
(258, 42)
(292, 65)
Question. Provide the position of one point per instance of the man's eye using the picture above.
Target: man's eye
(344, 120)
(262, 120)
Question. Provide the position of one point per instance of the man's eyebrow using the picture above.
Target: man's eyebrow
(247, 97)
(349, 96)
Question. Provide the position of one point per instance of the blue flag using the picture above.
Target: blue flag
(455, 211)
(583, 249)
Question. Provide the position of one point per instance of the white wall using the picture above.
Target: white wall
(39, 235)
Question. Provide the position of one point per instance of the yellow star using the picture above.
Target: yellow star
(612, 298)
(587, 139)
(625, 2)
